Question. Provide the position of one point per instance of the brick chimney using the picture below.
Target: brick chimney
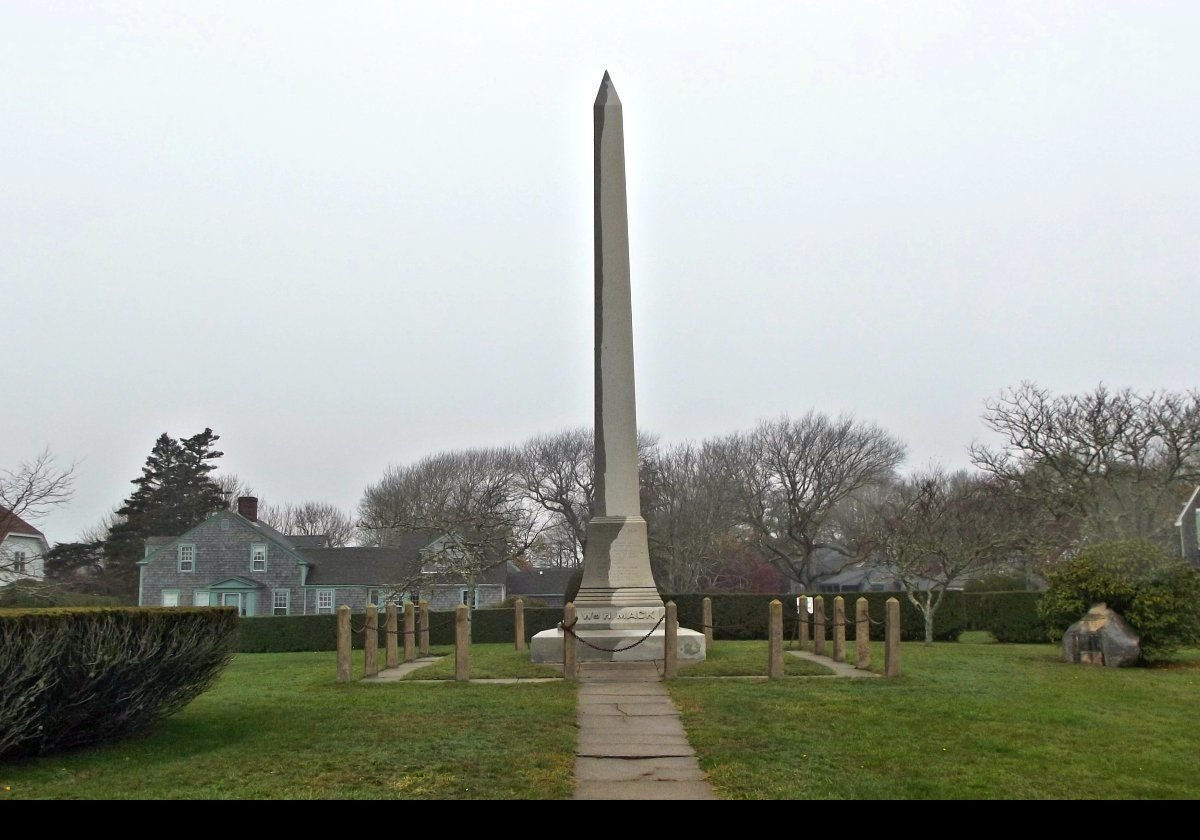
(248, 507)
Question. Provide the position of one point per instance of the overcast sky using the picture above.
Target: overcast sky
(348, 235)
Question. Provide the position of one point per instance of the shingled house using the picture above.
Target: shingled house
(235, 560)
(21, 548)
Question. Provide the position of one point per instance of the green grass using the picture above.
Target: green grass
(739, 659)
(964, 721)
(278, 726)
(488, 661)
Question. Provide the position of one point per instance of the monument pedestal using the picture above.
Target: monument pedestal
(547, 646)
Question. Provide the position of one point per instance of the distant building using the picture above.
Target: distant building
(1188, 524)
(236, 560)
(546, 585)
(22, 549)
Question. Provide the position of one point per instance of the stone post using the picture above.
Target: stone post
(671, 643)
(839, 629)
(819, 625)
(775, 639)
(862, 634)
(371, 642)
(706, 606)
(462, 646)
(424, 648)
(519, 624)
(568, 642)
(803, 617)
(891, 640)
(410, 639)
(343, 644)
(390, 626)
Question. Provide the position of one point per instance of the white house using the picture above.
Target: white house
(22, 548)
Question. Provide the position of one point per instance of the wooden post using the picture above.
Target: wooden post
(891, 640)
(410, 639)
(803, 617)
(424, 648)
(839, 629)
(671, 643)
(775, 639)
(819, 625)
(519, 624)
(371, 642)
(568, 642)
(862, 634)
(462, 647)
(706, 606)
(343, 644)
(393, 658)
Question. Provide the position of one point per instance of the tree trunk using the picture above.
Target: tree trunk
(929, 626)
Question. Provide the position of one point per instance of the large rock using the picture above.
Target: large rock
(1101, 637)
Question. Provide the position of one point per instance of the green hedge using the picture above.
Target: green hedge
(74, 676)
(1009, 616)
(30, 593)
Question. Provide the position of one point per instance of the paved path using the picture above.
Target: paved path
(404, 668)
(631, 742)
(840, 669)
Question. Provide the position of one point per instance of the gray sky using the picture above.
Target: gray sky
(348, 235)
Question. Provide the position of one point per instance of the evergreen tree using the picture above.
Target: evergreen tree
(174, 493)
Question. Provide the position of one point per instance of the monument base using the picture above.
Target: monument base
(547, 646)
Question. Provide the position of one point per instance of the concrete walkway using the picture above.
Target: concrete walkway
(402, 670)
(631, 741)
(840, 669)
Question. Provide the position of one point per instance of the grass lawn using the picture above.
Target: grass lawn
(277, 726)
(490, 661)
(738, 659)
(965, 720)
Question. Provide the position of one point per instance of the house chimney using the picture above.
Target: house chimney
(248, 507)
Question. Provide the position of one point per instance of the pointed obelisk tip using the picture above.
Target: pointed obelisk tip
(607, 95)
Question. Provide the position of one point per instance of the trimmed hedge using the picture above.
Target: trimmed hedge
(75, 676)
(1010, 616)
(31, 593)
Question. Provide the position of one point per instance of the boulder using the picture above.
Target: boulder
(1101, 637)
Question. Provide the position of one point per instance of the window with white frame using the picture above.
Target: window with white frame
(200, 598)
(258, 557)
(466, 597)
(373, 596)
(19, 562)
(187, 558)
(324, 601)
(279, 603)
(170, 598)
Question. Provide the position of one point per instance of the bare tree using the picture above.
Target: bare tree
(232, 487)
(938, 530)
(1100, 465)
(791, 476)
(29, 492)
(310, 519)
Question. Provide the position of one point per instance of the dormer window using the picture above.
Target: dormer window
(187, 558)
(19, 562)
(258, 557)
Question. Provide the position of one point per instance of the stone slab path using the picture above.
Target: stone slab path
(402, 670)
(631, 741)
(840, 669)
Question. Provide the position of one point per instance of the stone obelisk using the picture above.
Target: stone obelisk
(618, 602)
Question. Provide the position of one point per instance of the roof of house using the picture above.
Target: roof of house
(539, 581)
(1190, 502)
(303, 541)
(10, 523)
(396, 564)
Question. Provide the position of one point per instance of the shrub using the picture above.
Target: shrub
(1157, 594)
(1008, 616)
(510, 603)
(74, 676)
(35, 593)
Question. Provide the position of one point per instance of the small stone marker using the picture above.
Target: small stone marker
(424, 628)
(568, 642)
(819, 625)
(343, 644)
(393, 658)
(862, 634)
(462, 645)
(706, 607)
(519, 624)
(891, 639)
(775, 639)
(671, 642)
(410, 641)
(1101, 637)
(802, 611)
(839, 629)
(371, 642)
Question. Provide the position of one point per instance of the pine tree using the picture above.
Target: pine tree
(174, 493)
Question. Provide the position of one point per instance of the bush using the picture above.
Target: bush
(1008, 616)
(1157, 594)
(74, 676)
(510, 603)
(35, 593)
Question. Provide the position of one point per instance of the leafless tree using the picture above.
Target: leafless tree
(937, 530)
(29, 492)
(232, 487)
(310, 519)
(1100, 465)
(791, 476)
